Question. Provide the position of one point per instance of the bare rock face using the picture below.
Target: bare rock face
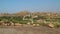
(34, 24)
(51, 25)
(37, 24)
(28, 23)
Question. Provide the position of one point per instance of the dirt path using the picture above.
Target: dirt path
(29, 30)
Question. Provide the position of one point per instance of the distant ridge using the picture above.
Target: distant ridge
(23, 13)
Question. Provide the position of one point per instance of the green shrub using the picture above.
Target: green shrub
(57, 24)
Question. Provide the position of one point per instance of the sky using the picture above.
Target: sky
(13, 6)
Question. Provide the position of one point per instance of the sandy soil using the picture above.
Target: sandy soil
(29, 30)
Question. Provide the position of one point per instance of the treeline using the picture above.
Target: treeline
(41, 18)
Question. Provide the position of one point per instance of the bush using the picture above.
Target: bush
(57, 24)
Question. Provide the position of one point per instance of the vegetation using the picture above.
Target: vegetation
(45, 19)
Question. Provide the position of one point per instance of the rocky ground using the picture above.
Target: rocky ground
(28, 30)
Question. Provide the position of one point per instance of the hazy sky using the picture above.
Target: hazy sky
(12, 6)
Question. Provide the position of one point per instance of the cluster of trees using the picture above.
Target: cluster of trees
(9, 19)
(53, 18)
